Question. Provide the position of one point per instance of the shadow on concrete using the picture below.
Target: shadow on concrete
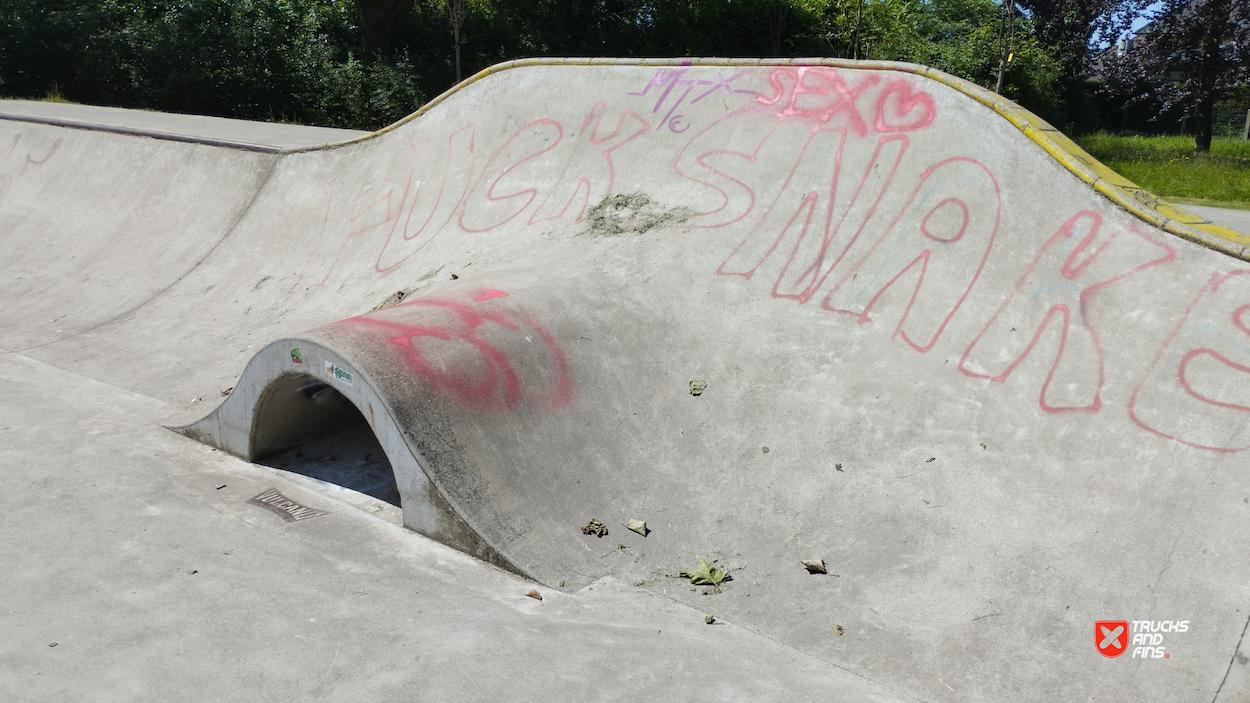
(343, 451)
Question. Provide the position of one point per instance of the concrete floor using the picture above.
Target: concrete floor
(135, 569)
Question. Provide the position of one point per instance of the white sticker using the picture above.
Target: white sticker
(339, 374)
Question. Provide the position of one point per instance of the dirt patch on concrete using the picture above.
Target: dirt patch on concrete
(632, 213)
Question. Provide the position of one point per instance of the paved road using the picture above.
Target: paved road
(846, 312)
(1233, 219)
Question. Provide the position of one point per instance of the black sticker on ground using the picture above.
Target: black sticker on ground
(284, 507)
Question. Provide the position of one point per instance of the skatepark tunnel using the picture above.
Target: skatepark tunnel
(335, 427)
(305, 426)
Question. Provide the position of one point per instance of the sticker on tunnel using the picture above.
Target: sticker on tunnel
(284, 507)
(339, 373)
(296, 357)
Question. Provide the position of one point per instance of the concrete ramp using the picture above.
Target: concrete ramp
(781, 311)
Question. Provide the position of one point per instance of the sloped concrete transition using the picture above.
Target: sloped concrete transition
(1001, 391)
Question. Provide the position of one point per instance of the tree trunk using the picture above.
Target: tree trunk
(1209, 70)
(378, 19)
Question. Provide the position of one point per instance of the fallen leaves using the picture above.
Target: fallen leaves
(535, 595)
(697, 387)
(639, 526)
(814, 566)
(704, 574)
(596, 528)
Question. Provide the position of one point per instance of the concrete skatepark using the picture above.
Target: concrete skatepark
(860, 312)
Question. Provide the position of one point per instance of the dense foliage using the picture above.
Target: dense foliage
(364, 63)
(293, 60)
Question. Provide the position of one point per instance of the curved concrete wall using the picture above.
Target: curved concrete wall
(936, 352)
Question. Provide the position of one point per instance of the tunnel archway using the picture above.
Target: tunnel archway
(306, 426)
(298, 402)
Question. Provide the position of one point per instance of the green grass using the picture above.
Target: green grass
(1169, 167)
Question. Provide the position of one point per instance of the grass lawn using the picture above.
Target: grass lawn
(1168, 167)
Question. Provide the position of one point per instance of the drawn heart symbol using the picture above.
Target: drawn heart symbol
(907, 103)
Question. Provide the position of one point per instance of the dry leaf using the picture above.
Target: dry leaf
(639, 526)
(814, 566)
(596, 528)
(709, 619)
(535, 595)
(837, 630)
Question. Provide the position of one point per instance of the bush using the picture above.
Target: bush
(284, 60)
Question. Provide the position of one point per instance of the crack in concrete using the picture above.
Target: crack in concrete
(1231, 660)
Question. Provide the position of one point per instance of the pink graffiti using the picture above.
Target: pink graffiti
(584, 182)
(444, 190)
(906, 102)
(476, 351)
(820, 94)
(946, 267)
(425, 204)
(951, 260)
(1058, 286)
(819, 229)
(1196, 390)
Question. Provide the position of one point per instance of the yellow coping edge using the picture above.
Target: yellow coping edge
(1115, 187)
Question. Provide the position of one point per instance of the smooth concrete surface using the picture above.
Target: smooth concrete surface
(259, 136)
(1233, 219)
(134, 570)
(998, 407)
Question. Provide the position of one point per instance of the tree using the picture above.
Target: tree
(1071, 26)
(456, 13)
(1193, 53)
(378, 21)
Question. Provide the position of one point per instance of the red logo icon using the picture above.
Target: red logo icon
(1111, 637)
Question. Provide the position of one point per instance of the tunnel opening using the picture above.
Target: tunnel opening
(306, 426)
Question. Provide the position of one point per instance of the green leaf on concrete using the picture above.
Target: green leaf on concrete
(697, 387)
(704, 574)
(639, 526)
